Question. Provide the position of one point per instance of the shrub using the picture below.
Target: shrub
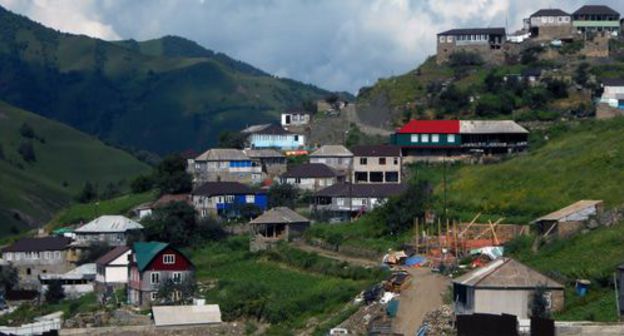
(94, 252)
(558, 88)
(88, 193)
(282, 194)
(142, 184)
(27, 151)
(55, 292)
(171, 177)
(27, 131)
(464, 58)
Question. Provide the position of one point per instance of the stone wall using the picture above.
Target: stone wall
(604, 111)
(551, 32)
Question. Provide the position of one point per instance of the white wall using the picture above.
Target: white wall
(498, 301)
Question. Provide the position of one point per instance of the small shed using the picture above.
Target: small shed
(197, 314)
(569, 220)
(277, 224)
(504, 286)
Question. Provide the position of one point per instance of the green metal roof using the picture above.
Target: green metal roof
(63, 230)
(146, 251)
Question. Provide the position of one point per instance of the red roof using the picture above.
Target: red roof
(431, 126)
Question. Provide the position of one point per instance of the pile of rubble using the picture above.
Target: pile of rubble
(440, 322)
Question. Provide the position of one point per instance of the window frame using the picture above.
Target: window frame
(170, 256)
(155, 278)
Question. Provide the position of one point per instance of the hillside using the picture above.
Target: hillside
(138, 94)
(64, 159)
(577, 162)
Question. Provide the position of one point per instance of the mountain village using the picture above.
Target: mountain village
(448, 276)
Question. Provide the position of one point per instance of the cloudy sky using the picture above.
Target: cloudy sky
(335, 44)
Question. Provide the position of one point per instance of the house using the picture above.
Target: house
(35, 256)
(337, 157)
(487, 42)
(613, 93)
(112, 269)
(436, 139)
(224, 164)
(344, 200)
(109, 229)
(294, 118)
(551, 23)
(192, 315)
(272, 162)
(273, 136)
(569, 220)
(277, 224)
(226, 198)
(376, 164)
(596, 18)
(153, 264)
(76, 283)
(504, 286)
(310, 176)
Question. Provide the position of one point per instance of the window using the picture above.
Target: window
(435, 138)
(450, 138)
(358, 202)
(28, 271)
(363, 161)
(168, 259)
(340, 201)
(424, 138)
(382, 161)
(296, 138)
(449, 39)
(376, 176)
(361, 177)
(155, 278)
(396, 161)
(153, 296)
(177, 277)
(442, 39)
(250, 199)
(392, 176)
(548, 299)
(414, 138)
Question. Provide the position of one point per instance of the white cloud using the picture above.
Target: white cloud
(336, 44)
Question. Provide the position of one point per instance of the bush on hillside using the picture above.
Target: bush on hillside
(27, 131)
(536, 97)
(557, 88)
(282, 194)
(141, 184)
(27, 151)
(399, 212)
(95, 251)
(464, 58)
(492, 105)
(581, 74)
(453, 100)
(229, 139)
(88, 193)
(8, 277)
(2, 157)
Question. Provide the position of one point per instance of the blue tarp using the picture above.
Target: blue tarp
(393, 308)
(415, 261)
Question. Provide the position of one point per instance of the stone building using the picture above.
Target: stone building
(486, 42)
(112, 230)
(548, 24)
(376, 164)
(337, 157)
(277, 224)
(224, 164)
(596, 19)
(35, 256)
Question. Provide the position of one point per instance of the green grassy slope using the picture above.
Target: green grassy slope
(65, 160)
(581, 162)
(140, 94)
(593, 256)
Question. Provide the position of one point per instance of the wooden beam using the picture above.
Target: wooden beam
(461, 234)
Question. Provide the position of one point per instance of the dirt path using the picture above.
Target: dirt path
(423, 295)
(334, 255)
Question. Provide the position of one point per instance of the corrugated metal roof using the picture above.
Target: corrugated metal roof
(506, 273)
(84, 271)
(279, 215)
(596, 10)
(52, 243)
(332, 150)
(376, 150)
(490, 127)
(474, 31)
(109, 224)
(222, 154)
(569, 210)
(186, 315)
(263, 153)
(112, 255)
(268, 129)
(310, 170)
(549, 12)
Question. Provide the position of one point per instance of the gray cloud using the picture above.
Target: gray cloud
(335, 44)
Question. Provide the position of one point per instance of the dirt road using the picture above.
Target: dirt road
(335, 255)
(423, 295)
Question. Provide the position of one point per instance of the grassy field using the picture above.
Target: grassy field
(581, 162)
(65, 159)
(284, 289)
(26, 313)
(594, 256)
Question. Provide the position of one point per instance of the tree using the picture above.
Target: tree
(172, 293)
(453, 99)
(8, 277)
(27, 151)
(93, 253)
(111, 190)
(282, 194)
(55, 292)
(399, 212)
(229, 139)
(88, 193)
(2, 157)
(539, 304)
(558, 88)
(142, 183)
(580, 74)
(27, 131)
(464, 58)
(171, 176)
